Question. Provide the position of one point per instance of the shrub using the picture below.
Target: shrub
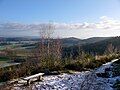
(74, 66)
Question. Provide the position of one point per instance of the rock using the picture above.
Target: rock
(103, 75)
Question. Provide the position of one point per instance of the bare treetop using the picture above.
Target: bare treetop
(47, 30)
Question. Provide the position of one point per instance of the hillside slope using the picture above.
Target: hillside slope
(100, 47)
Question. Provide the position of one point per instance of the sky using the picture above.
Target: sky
(72, 18)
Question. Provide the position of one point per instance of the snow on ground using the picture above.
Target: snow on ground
(62, 82)
(104, 66)
(87, 80)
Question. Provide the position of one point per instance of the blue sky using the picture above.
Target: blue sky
(30, 11)
(60, 11)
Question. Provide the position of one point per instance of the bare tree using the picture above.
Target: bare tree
(49, 48)
(110, 49)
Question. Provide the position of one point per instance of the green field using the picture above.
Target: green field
(2, 47)
(16, 46)
(4, 58)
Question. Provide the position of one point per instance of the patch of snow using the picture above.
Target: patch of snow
(104, 66)
(87, 80)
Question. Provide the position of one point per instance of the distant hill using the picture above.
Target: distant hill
(71, 45)
(75, 41)
(95, 39)
(94, 45)
(18, 38)
(71, 41)
(100, 47)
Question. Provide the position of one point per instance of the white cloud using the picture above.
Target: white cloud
(108, 23)
(104, 23)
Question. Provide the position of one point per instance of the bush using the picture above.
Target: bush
(74, 66)
(33, 66)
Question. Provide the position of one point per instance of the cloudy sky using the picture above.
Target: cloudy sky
(71, 18)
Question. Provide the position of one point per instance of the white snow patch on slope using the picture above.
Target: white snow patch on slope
(79, 81)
